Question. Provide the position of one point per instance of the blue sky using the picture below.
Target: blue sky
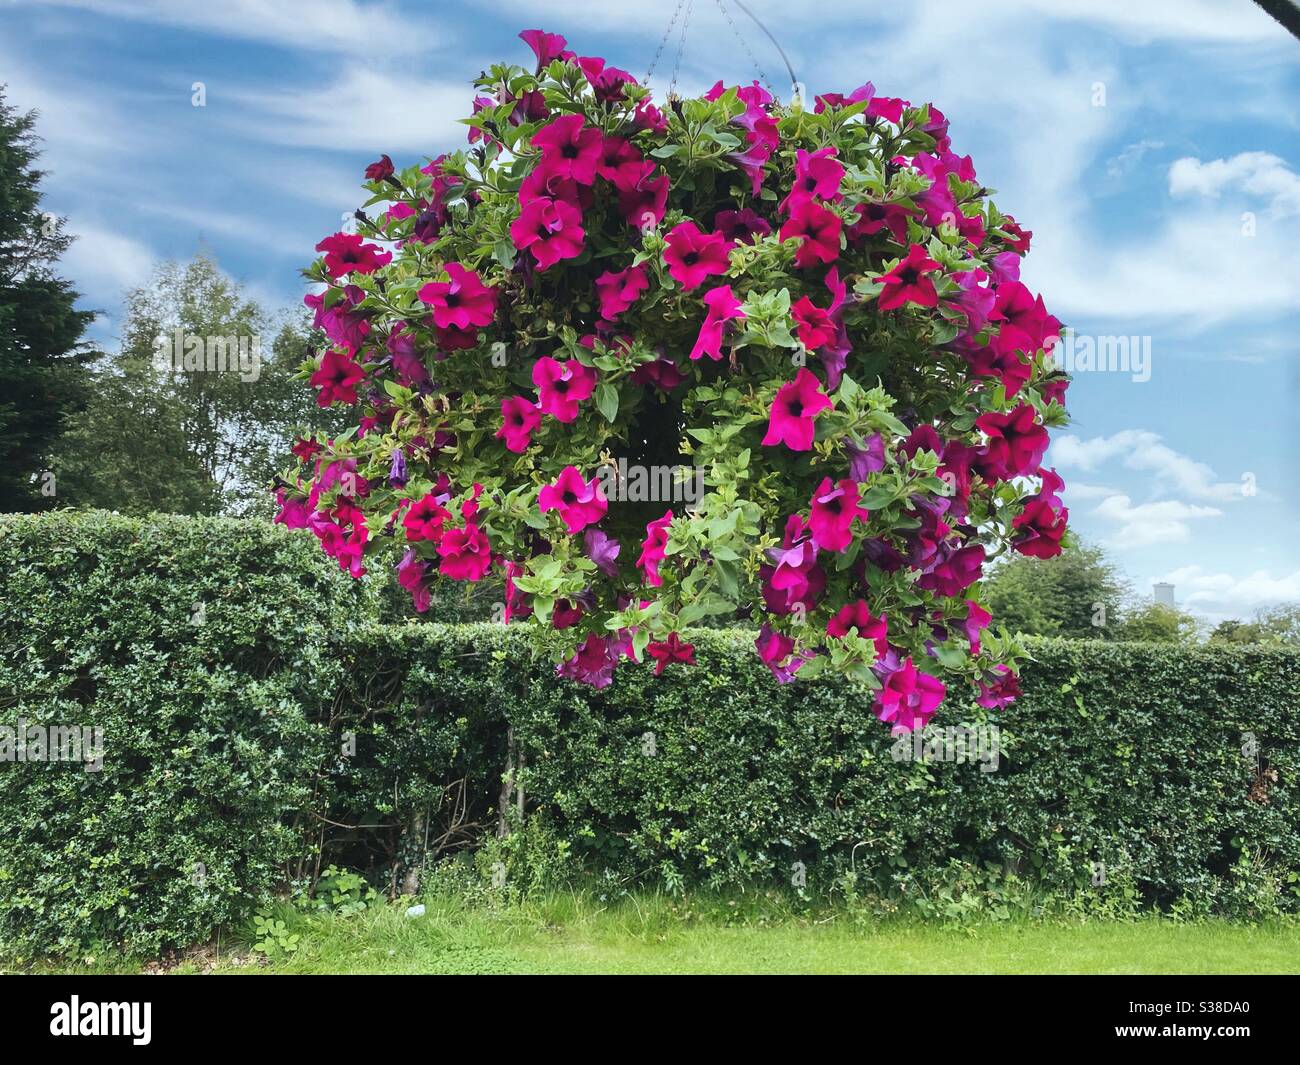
(1153, 147)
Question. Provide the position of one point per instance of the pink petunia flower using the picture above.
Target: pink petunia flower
(550, 229)
(570, 148)
(723, 307)
(618, 291)
(348, 253)
(1016, 443)
(579, 502)
(561, 386)
(644, 203)
(858, 616)
(692, 255)
(819, 230)
(466, 553)
(519, 420)
(463, 302)
(424, 520)
(907, 282)
(794, 410)
(337, 379)
(413, 575)
(620, 163)
(834, 509)
(653, 549)
(548, 47)
(674, 649)
(908, 698)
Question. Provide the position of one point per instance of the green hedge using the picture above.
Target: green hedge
(279, 728)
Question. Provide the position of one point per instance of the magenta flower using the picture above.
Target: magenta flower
(857, 616)
(570, 148)
(813, 325)
(593, 663)
(580, 503)
(907, 282)
(602, 550)
(380, 170)
(671, 650)
(548, 47)
(777, 652)
(794, 410)
(561, 386)
(874, 217)
(463, 302)
(816, 174)
(693, 256)
(653, 549)
(413, 575)
(606, 82)
(550, 229)
(348, 253)
(466, 554)
(1016, 443)
(1019, 308)
(620, 163)
(643, 205)
(294, 513)
(868, 459)
(663, 374)
(834, 509)
(424, 521)
(618, 291)
(1040, 526)
(977, 620)
(908, 698)
(999, 690)
(647, 116)
(957, 571)
(794, 580)
(337, 379)
(722, 307)
(742, 227)
(519, 420)
(819, 232)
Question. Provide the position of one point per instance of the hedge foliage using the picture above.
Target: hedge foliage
(259, 726)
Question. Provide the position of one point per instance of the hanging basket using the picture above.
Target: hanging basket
(799, 330)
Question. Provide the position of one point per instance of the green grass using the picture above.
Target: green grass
(653, 933)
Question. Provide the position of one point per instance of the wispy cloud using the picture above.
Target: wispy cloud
(313, 25)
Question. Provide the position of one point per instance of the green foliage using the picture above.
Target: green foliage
(42, 356)
(272, 936)
(194, 439)
(1159, 624)
(254, 731)
(1273, 625)
(1078, 593)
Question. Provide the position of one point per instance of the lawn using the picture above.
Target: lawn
(652, 933)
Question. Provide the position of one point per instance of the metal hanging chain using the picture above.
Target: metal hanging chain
(681, 46)
(762, 74)
(794, 81)
(663, 41)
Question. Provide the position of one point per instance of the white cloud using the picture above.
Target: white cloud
(1128, 159)
(1144, 524)
(307, 25)
(365, 110)
(1223, 595)
(1144, 451)
(105, 264)
(1258, 174)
